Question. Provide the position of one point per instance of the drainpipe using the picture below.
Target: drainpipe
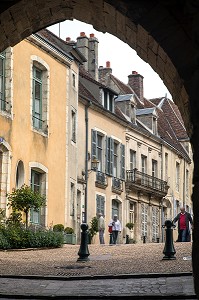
(86, 161)
(184, 186)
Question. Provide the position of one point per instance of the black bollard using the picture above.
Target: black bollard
(127, 239)
(111, 239)
(144, 239)
(169, 249)
(83, 250)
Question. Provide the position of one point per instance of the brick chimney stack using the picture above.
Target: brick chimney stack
(135, 81)
(104, 73)
(93, 56)
(82, 45)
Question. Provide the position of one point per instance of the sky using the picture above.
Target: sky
(123, 59)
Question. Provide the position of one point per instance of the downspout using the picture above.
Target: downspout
(184, 185)
(86, 161)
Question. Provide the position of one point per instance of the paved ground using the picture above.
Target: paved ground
(121, 271)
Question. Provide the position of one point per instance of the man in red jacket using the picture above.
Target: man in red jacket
(183, 218)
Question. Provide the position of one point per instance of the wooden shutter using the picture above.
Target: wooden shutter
(122, 162)
(93, 144)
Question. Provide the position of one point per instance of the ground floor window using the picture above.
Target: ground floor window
(144, 209)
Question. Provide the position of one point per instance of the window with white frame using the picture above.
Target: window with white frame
(143, 164)
(98, 149)
(40, 95)
(131, 212)
(38, 184)
(187, 183)
(155, 223)
(2, 81)
(73, 125)
(166, 166)
(108, 100)
(177, 176)
(144, 216)
(6, 70)
(132, 159)
(100, 204)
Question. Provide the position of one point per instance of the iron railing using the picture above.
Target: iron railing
(145, 180)
(116, 183)
(101, 178)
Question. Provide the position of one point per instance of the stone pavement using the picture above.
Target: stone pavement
(118, 272)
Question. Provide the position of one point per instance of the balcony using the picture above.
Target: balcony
(101, 180)
(117, 185)
(143, 182)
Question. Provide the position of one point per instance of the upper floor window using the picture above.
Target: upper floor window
(187, 183)
(154, 168)
(115, 159)
(143, 164)
(177, 176)
(108, 100)
(132, 159)
(100, 201)
(37, 98)
(166, 166)
(6, 70)
(73, 125)
(2, 81)
(74, 82)
(40, 94)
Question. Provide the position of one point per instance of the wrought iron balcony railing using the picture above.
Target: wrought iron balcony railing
(146, 181)
(116, 184)
(101, 179)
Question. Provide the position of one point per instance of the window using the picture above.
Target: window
(72, 199)
(131, 213)
(115, 159)
(20, 174)
(40, 94)
(144, 211)
(132, 159)
(187, 183)
(155, 223)
(108, 100)
(73, 120)
(154, 168)
(74, 83)
(97, 149)
(36, 187)
(37, 98)
(100, 200)
(2, 81)
(143, 163)
(166, 166)
(115, 208)
(177, 176)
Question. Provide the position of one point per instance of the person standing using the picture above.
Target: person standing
(116, 227)
(183, 219)
(101, 228)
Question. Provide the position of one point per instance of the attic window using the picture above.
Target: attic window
(108, 100)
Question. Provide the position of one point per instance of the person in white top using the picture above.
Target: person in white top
(116, 227)
(101, 228)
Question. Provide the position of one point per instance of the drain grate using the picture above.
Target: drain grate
(73, 267)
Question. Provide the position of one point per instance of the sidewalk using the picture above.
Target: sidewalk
(122, 272)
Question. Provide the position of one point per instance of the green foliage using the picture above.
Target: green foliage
(2, 215)
(93, 229)
(24, 198)
(58, 228)
(129, 225)
(15, 218)
(69, 230)
(17, 237)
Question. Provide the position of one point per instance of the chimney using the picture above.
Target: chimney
(104, 73)
(135, 81)
(82, 45)
(70, 42)
(93, 56)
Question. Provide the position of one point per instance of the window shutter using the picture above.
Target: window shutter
(94, 144)
(111, 145)
(100, 204)
(107, 156)
(122, 161)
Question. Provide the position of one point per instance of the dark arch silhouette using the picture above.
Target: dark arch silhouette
(164, 33)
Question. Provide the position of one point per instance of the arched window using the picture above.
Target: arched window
(20, 174)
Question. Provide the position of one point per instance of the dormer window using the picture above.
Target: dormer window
(108, 100)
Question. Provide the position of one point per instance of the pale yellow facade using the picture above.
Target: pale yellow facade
(49, 151)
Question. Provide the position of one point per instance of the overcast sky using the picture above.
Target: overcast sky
(123, 58)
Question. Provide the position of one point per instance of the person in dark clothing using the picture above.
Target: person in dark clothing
(183, 219)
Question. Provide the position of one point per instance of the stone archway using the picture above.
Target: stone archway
(164, 33)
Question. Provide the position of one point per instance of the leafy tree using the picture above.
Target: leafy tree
(23, 199)
(93, 229)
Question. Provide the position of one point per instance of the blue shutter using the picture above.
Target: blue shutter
(100, 204)
(93, 144)
(122, 162)
(111, 145)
